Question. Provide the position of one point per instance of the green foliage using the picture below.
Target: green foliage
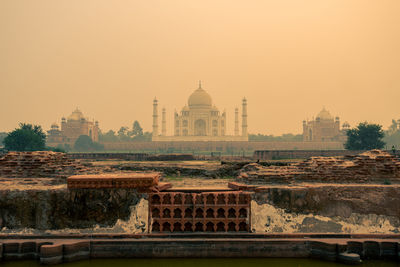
(126, 135)
(365, 137)
(2, 136)
(271, 138)
(392, 139)
(387, 182)
(108, 137)
(136, 129)
(27, 137)
(123, 134)
(85, 143)
(145, 137)
(394, 127)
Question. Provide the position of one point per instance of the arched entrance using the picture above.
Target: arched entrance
(200, 127)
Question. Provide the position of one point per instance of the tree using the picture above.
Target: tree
(108, 137)
(137, 130)
(394, 127)
(27, 137)
(123, 134)
(392, 138)
(145, 137)
(2, 136)
(271, 138)
(365, 137)
(85, 143)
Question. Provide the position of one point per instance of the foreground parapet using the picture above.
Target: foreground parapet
(123, 180)
(56, 249)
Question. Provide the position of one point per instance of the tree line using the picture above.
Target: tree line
(28, 137)
(124, 134)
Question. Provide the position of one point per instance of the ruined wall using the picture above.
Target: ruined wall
(62, 208)
(300, 154)
(39, 164)
(222, 146)
(333, 200)
(372, 166)
(326, 209)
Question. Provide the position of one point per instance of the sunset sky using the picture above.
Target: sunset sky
(289, 58)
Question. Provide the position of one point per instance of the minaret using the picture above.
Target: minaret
(244, 117)
(155, 117)
(164, 124)
(236, 122)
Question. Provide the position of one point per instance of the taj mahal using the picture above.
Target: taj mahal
(200, 120)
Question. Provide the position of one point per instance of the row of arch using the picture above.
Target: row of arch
(210, 199)
(199, 213)
(185, 123)
(199, 227)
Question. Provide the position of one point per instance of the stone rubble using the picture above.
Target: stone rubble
(39, 164)
(374, 165)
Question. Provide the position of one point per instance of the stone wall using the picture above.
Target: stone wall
(222, 146)
(341, 248)
(333, 200)
(300, 154)
(107, 156)
(59, 208)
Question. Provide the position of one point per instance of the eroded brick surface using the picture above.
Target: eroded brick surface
(199, 212)
(125, 180)
(39, 164)
(374, 165)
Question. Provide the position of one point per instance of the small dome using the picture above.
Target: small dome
(346, 125)
(54, 126)
(76, 115)
(185, 108)
(324, 115)
(200, 99)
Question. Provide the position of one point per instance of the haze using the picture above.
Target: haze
(289, 58)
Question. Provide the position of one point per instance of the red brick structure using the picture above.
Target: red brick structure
(39, 164)
(72, 127)
(143, 181)
(374, 165)
(199, 212)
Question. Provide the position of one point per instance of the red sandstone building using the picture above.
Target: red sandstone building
(324, 128)
(71, 128)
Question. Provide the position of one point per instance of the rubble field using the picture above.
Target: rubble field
(373, 166)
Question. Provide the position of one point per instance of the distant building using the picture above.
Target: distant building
(200, 120)
(325, 128)
(71, 128)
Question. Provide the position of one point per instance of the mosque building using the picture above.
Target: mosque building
(71, 128)
(200, 120)
(325, 128)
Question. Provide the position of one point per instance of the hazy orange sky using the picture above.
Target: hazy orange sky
(111, 58)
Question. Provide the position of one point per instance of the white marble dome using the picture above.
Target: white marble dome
(200, 99)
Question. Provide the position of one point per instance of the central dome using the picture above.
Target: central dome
(200, 99)
(324, 115)
(76, 115)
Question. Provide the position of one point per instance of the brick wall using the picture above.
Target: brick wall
(200, 212)
(223, 146)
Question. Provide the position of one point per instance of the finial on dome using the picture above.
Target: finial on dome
(200, 84)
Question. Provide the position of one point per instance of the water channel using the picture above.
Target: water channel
(268, 262)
